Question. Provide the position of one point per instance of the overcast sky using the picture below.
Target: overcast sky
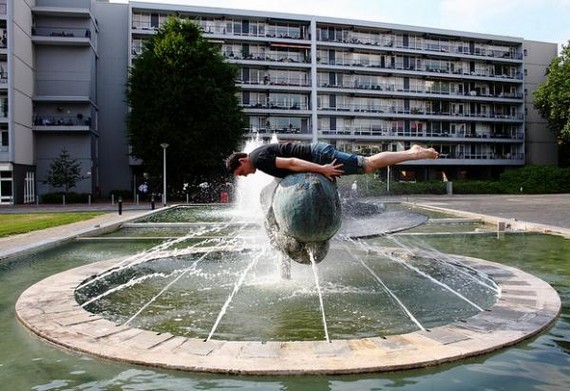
(539, 20)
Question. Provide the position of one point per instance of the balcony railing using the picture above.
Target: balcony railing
(431, 47)
(418, 90)
(278, 81)
(389, 131)
(276, 106)
(272, 57)
(391, 110)
(62, 120)
(61, 32)
(430, 69)
(275, 129)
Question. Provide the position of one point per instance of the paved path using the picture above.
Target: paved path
(548, 213)
(547, 209)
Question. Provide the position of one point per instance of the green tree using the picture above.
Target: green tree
(64, 172)
(552, 100)
(181, 91)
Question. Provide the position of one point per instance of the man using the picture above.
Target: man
(280, 160)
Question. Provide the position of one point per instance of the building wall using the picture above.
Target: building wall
(65, 98)
(369, 86)
(364, 86)
(541, 142)
(20, 71)
(112, 72)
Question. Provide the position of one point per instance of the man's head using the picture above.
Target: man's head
(239, 163)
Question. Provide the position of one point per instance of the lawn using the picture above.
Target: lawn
(19, 223)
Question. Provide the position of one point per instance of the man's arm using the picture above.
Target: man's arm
(330, 170)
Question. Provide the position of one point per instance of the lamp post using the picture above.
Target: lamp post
(388, 179)
(164, 146)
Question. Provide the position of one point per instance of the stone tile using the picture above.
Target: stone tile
(444, 336)
(519, 292)
(261, 350)
(333, 348)
(198, 347)
(148, 339)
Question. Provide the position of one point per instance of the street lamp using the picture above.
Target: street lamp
(164, 146)
(388, 179)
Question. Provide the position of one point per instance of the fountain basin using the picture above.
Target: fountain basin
(527, 306)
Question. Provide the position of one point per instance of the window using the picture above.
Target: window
(4, 139)
(154, 21)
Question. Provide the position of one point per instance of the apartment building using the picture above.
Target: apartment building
(364, 86)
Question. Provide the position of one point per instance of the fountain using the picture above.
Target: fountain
(214, 300)
(302, 212)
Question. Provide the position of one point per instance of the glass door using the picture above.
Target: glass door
(6, 195)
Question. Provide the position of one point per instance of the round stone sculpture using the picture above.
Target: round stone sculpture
(307, 213)
(307, 207)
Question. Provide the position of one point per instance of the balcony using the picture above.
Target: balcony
(295, 132)
(276, 82)
(73, 36)
(277, 107)
(384, 89)
(454, 72)
(392, 132)
(284, 57)
(444, 47)
(65, 123)
(390, 111)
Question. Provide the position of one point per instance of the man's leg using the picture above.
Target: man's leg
(388, 158)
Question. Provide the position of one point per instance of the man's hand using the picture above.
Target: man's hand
(332, 170)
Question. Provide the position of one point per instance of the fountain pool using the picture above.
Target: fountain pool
(217, 304)
(540, 363)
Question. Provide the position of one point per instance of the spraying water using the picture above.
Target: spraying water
(318, 285)
(236, 289)
(389, 291)
(248, 209)
(458, 267)
(249, 188)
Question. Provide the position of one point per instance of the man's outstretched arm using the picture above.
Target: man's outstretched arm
(330, 170)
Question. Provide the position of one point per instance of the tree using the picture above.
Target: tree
(64, 172)
(182, 92)
(552, 100)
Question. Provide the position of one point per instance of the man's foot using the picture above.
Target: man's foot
(420, 152)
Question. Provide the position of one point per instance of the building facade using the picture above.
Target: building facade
(362, 86)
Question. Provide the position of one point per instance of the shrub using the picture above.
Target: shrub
(124, 194)
(70, 198)
(369, 186)
(477, 187)
(536, 180)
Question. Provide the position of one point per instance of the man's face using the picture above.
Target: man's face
(245, 168)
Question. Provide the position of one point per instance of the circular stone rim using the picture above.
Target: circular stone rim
(527, 306)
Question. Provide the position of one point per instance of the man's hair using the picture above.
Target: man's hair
(232, 162)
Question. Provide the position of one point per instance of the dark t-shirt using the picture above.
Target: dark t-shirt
(263, 158)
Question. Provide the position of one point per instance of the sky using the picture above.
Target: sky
(537, 20)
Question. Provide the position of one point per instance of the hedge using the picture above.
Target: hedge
(525, 180)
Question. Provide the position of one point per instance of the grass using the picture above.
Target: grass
(19, 223)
